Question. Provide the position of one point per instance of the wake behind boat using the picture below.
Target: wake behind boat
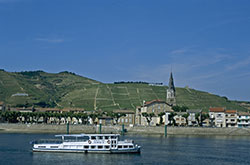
(86, 143)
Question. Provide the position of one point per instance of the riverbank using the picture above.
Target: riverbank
(61, 129)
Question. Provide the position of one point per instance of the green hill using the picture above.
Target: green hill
(67, 89)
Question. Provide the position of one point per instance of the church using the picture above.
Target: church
(171, 99)
(157, 107)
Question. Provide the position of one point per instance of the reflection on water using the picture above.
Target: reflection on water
(206, 150)
(80, 158)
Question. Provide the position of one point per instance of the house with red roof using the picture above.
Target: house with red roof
(231, 118)
(217, 116)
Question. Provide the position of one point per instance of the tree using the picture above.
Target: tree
(198, 118)
(180, 108)
(148, 116)
(160, 115)
(83, 117)
(116, 116)
(204, 117)
(186, 117)
(171, 118)
(93, 116)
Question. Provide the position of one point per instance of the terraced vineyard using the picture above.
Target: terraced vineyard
(67, 89)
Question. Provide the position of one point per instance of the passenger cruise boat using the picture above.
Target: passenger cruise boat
(86, 143)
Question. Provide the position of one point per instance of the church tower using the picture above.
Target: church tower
(171, 91)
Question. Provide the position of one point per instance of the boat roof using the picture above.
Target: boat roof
(81, 135)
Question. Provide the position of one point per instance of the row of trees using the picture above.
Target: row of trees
(36, 117)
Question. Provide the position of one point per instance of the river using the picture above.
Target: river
(206, 150)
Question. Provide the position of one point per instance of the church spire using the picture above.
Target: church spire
(171, 82)
(171, 91)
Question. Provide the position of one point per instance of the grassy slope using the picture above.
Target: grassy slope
(69, 90)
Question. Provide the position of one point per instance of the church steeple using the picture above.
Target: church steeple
(171, 91)
(171, 82)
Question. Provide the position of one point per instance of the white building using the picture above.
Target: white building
(217, 116)
(231, 118)
(243, 119)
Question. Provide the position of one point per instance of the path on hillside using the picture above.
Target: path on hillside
(130, 98)
(96, 93)
(112, 97)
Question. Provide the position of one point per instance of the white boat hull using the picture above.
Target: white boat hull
(113, 151)
(86, 143)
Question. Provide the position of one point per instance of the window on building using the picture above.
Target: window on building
(126, 120)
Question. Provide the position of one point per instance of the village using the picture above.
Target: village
(151, 113)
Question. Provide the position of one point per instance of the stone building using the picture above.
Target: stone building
(127, 119)
(179, 119)
(155, 107)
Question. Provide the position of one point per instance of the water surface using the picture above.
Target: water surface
(205, 150)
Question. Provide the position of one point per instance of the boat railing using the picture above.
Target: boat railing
(48, 141)
(75, 140)
(126, 141)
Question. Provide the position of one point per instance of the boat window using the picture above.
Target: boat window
(100, 147)
(93, 147)
(130, 146)
(113, 137)
(107, 147)
(83, 138)
(125, 146)
(53, 146)
(93, 137)
(100, 137)
(41, 146)
(86, 147)
(106, 137)
(119, 146)
(69, 138)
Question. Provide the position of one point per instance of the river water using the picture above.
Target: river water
(205, 150)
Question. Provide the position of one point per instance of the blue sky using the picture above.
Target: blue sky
(206, 42)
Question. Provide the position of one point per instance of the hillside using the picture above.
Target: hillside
(67, 89)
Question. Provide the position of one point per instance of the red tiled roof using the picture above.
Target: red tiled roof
(231, 111)
(153, 101)
(217, 109)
